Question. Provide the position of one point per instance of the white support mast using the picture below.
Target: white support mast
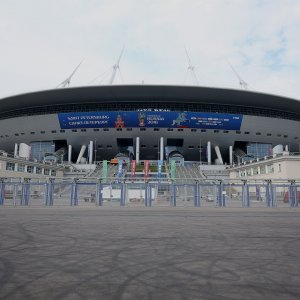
(116, 67)
(243, 83)
(66, 82)
(191, 67)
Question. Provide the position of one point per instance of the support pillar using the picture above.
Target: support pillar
(230, 155)
(218, 152)
(161, 149)
(209, 153)
(137, 150)
(82, 150)
(70, 154)
(91, 152)
(16, 150)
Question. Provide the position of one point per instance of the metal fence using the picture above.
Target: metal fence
(181, 193)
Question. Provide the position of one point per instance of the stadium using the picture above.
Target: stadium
(148, 122)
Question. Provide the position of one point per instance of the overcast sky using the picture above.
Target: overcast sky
(42, 41)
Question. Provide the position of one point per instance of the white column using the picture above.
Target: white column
(161, 149)
(218, 152)
(70, 154)
(137, 150)
(82, 150)
(286, 148)
(230, 155)
(16, 150)
(91, 153)
(209, 153)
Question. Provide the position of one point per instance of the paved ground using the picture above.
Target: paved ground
(155, 253)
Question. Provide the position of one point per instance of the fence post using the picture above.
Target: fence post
(74, 196)
(245, 194)
(46, 193)
(199, 194)
(15, 194)
(292, 193)
(26, 193)
(195, 194)
(273, 195)
(100, 196)
(268, 193)
(174, 194)
(220, 194)
(150, 195)
(2, 191)
(51, 191)
(122, 200)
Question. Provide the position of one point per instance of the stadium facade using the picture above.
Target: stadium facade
(151, 122)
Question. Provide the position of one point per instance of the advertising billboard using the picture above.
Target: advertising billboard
(148, 119)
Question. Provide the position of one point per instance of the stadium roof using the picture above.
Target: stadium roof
(153, 93)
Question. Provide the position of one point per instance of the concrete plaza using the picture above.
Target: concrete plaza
(149, 253)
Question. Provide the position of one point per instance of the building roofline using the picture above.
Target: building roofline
(153, 93)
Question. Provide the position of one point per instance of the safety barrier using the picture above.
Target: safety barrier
(54, 192)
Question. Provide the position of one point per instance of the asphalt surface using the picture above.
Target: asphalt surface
(155, 253)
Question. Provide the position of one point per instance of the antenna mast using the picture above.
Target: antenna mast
(66, 82)
(242, 82)
(116, 67)
(191, 67)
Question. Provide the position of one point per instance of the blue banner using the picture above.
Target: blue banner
(114, 119)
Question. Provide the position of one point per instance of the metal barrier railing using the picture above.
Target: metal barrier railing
(178, 192)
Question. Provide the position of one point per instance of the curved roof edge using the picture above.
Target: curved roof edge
(155, 93)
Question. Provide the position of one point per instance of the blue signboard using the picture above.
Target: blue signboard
(172, 119)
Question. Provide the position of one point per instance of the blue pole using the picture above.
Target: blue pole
(46, 193)
(268, 195)
(274, 199)
(75, 194)
(291, 195)
(146, 194)
(247, 194)
(100, 199)
(27, 192)
(174, 195)
(51, 195)
(199, 195)
(122, 200)
(243, 194)
(2, 191)
(195, 195)
(219, 200)
(150, 195)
